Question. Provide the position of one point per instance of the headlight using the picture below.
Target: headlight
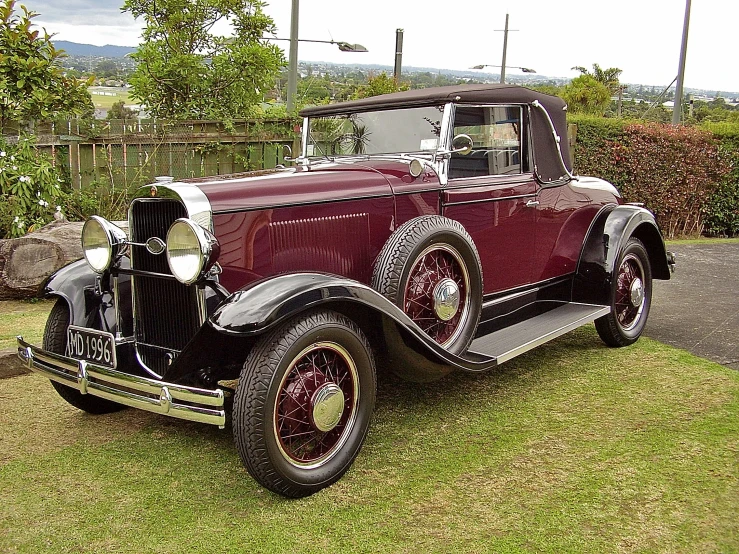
(102, 243)
(191, 250)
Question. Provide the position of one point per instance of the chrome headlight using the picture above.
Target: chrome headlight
(191, 250)
(102, 243)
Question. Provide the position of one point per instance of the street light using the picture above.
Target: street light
(292, 72)
(484, 65)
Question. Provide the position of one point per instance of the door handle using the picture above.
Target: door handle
(532, 203)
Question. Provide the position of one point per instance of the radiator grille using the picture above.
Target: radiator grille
(166, 312)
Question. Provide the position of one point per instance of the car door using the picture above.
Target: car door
(492, 192)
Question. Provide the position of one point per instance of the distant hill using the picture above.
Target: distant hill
(107, 51)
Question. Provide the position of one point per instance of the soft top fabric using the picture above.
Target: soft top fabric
(546, 157)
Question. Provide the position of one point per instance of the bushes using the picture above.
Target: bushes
(30, 187)
(686, 175)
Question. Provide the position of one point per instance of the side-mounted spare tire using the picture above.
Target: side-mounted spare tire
(430, 269)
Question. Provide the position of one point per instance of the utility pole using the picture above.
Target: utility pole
(678, 106)
(505, 51)
(398, 54)
(292, 71)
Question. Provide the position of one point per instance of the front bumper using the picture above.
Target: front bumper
(190, 403)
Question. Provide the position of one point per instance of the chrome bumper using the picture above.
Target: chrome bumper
(201, 405)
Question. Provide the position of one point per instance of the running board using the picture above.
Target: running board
(513, 341)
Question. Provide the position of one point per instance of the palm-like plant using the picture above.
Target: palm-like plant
(609, 77)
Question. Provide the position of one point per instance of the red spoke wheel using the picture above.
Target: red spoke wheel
(317, 404)
(631, 295)
(303, 404)
(430, 268)
(437, 293)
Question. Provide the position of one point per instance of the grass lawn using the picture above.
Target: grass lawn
(22, 318)
(107, 101)
(571, 448)
(703, 240)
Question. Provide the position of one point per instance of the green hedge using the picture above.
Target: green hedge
(688, 176)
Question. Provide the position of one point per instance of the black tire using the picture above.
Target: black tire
(55, 340)
(277, 436)
(626, 321)
(401, 255)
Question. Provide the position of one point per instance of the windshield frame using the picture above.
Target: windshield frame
(442, 139)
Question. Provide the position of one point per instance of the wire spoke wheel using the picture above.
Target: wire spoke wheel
(437, 293)
(629, 298)
(631, 295)
(316, 406)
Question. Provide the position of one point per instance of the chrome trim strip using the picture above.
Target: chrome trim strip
(509, 297)
(116, 305)
(500, 199)
(595, 314)
(203, 405)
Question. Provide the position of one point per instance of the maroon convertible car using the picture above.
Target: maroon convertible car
(420, 232)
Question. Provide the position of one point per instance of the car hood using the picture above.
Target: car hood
(319, 182)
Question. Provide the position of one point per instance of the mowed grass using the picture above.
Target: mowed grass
(571, 448)
(115, 94)
(22, 318)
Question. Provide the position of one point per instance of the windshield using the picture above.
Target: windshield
(379, 132)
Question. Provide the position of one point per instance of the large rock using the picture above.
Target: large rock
(27, 261)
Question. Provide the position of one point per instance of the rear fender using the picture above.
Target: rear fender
(611, 229)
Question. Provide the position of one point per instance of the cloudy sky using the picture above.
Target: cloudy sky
(642, 37)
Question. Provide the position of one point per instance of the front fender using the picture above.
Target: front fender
(263, 305)
(608, 234)
(90, 301)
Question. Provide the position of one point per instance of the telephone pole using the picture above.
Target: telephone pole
(678, 106)
(505, 48)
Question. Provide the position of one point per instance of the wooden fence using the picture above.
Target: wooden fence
(129, 152)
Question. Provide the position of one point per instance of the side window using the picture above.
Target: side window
(496, 139)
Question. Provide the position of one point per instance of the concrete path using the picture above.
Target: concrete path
(698, 309)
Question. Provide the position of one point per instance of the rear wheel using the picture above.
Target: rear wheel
(304, 402)
(55, 340)
(631, 297)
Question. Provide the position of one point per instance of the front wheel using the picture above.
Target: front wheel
(631, 297)
(304, 402)
(55, 340)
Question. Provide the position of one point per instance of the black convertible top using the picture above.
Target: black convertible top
(545, 148)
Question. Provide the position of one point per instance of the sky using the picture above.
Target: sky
(642, 37)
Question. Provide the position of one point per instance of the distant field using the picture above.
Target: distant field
(105, 97)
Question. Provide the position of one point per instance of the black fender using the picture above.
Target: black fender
(265, 304)
(608, 233)
(89, 296)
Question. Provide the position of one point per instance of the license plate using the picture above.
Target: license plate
(90, 345)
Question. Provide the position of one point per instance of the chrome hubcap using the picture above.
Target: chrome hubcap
(327, 407)
(637, 292)
(446, 299)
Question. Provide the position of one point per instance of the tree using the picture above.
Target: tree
(186, 72)
(33, 85)
(608, 77)
(119, 111)
(587, 95)
(379, 84)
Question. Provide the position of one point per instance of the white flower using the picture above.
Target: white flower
(58, 186)
(3, 154)
(20, 225)
(16, 219)
(38, 192)
(15, 168)
(43, 203)
(58, 208)
(12, 158)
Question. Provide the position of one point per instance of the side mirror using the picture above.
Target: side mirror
(461, 144)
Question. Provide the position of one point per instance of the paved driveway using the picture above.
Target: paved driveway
(698, 309)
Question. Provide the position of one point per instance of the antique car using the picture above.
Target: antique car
(419, 232)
